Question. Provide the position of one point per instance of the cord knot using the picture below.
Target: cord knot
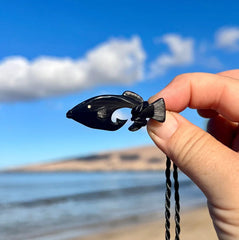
(140, 113)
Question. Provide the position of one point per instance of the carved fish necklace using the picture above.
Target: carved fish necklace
(97, 113)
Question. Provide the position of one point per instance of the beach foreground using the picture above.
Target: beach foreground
(195, 224)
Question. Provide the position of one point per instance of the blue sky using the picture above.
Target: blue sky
(55, 54)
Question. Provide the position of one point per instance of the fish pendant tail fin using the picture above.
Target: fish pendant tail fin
(159, 110)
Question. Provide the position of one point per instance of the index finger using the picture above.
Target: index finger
(202, 91)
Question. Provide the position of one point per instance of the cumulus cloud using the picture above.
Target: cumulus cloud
(227, 38)
(182, 54)
(118, 61)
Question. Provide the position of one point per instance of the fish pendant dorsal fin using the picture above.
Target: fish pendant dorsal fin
(134, 96)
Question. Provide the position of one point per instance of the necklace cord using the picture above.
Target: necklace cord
(168, 202)
(177, 202)
(167, 199)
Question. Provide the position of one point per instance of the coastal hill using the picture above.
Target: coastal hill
(133, 159)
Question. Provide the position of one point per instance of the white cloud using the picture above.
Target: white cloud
(117, 61)
(227, 38)
(182, 54)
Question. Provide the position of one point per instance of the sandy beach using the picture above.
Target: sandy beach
(195, 224)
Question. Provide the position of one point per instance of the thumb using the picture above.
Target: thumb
(200, 156)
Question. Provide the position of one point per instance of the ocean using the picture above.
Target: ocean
(61, 206)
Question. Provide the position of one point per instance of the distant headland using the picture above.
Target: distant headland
(145, 158)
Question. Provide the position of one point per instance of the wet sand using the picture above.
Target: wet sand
(195, 224)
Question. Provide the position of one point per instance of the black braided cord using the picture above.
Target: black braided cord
(177, 202)
(167, 200)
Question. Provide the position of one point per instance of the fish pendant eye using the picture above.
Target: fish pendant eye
(89, 106)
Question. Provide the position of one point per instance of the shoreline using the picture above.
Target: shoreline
(195, 224)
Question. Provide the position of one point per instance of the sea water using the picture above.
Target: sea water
(60, 206)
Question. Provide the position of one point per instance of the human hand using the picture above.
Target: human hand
(210, 160)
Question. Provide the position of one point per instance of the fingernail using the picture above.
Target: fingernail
(165, 130)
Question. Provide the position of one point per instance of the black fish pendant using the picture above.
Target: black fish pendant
(97, 112)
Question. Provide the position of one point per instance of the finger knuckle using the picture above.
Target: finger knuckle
(184, 77)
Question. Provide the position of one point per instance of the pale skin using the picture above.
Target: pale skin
(210, 159)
